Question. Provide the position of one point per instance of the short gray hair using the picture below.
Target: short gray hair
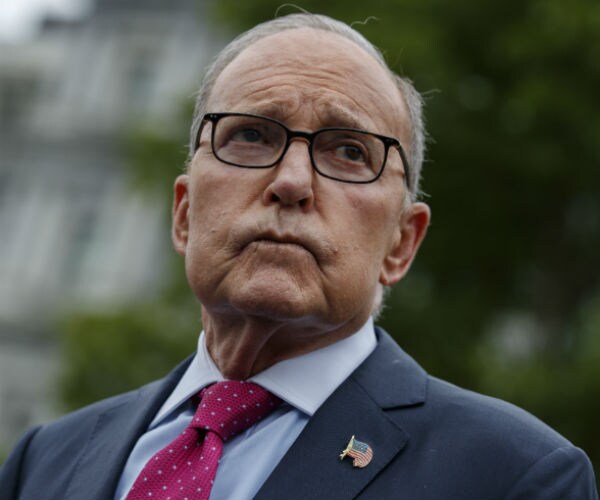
(412, 98)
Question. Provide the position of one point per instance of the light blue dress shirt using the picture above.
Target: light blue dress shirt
(303, 383)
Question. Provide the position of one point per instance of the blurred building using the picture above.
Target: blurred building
(73, 234)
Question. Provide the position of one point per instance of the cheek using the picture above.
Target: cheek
(209, 218)
(372, 221)
(219, 196)
(207, 209)
(206, 185)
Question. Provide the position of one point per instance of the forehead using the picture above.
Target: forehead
(312, 76)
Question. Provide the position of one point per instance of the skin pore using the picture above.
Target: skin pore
(283, 260)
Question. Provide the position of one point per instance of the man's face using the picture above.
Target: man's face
(285, 243)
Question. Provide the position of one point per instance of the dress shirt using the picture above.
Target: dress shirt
(303, 383)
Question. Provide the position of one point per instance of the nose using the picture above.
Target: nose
(293, 177)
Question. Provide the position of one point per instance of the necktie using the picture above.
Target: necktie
(186, 468)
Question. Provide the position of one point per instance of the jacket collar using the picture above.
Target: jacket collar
(390, 376)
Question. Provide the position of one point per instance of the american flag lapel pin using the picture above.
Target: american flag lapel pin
(359, 451)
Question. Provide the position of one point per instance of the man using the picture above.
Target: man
(298, 207)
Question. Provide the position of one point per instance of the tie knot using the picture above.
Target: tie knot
(232, 406)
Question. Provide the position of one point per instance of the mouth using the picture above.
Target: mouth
(281, 241)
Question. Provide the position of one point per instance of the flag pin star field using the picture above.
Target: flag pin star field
(360, 452)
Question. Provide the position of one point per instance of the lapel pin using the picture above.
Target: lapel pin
(359, 451)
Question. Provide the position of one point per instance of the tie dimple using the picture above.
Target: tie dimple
(185, 469)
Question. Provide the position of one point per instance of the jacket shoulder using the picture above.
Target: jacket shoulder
(48, 458)
(466, 445)
(488, 418)
(87, 415)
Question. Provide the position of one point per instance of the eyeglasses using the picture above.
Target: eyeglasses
(341, 154)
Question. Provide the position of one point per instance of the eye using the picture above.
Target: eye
(350, 152)
(247, 135)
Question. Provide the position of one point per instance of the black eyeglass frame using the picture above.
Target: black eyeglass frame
(388, 142)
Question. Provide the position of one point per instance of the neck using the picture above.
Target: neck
(244, 346)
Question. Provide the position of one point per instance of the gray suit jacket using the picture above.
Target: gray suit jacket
(430, 440)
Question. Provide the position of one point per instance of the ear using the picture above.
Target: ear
(181, 208)
(412, 230)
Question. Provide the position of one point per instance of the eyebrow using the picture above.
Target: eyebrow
(333, 115)
(271, 109)
(330, 114)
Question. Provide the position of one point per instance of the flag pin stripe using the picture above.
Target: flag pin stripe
(360, 452)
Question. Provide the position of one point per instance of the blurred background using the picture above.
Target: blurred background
(95, 103)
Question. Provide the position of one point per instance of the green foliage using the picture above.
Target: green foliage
(111, 352)
(561, 388)
(158, 154)
(119, 351)
(513, 178)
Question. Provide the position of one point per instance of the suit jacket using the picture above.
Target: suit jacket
(431, 441)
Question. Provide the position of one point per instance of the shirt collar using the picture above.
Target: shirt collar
(304, 382)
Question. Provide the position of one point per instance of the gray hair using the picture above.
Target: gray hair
(412, 98)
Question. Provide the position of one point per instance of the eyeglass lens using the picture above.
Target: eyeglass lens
(338, 153)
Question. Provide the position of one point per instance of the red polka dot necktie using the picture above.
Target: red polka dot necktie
(186, 468)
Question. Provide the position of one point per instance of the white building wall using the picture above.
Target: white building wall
(72, 233)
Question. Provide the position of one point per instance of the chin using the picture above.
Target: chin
(278, 307)
(278, 300)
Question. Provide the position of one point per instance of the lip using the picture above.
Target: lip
(283, 239)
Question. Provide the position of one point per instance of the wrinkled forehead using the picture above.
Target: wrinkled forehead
(307, 67)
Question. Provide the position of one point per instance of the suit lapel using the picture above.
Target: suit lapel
(312, 468)
(113, 437)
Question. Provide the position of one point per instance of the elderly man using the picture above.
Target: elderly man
(298, 207)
